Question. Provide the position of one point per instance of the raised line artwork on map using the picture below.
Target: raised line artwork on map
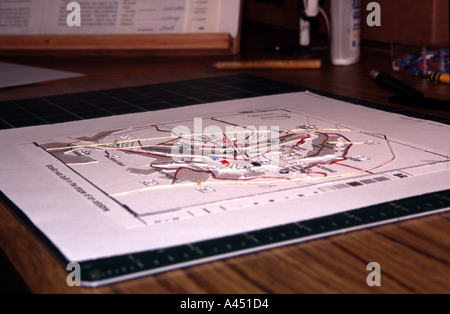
(226, 157)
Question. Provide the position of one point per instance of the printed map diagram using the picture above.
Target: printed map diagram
(166, 172)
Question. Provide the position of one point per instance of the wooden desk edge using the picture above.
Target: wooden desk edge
(165, 42)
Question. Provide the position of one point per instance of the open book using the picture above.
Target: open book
(49, 17)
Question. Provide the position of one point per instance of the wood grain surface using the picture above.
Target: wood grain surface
(163, 42)
(414, 255)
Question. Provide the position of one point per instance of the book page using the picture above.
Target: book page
(21, 17)
(49, 17)
(200, 16)
(97, 17)
(229, 17)
(160, 16)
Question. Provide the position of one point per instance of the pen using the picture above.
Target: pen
(268, 64)
(407, 95)
(395, 85)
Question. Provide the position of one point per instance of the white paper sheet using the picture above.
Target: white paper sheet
(15, 75)
(100, 188)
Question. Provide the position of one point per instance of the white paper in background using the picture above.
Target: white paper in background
(15, 75)
(96, 188)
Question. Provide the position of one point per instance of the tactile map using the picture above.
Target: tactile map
(123, 185)
(227, 158)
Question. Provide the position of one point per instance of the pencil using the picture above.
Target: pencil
(268, 64)
(439, 77)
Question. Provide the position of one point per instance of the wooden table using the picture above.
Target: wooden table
(414, 255)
